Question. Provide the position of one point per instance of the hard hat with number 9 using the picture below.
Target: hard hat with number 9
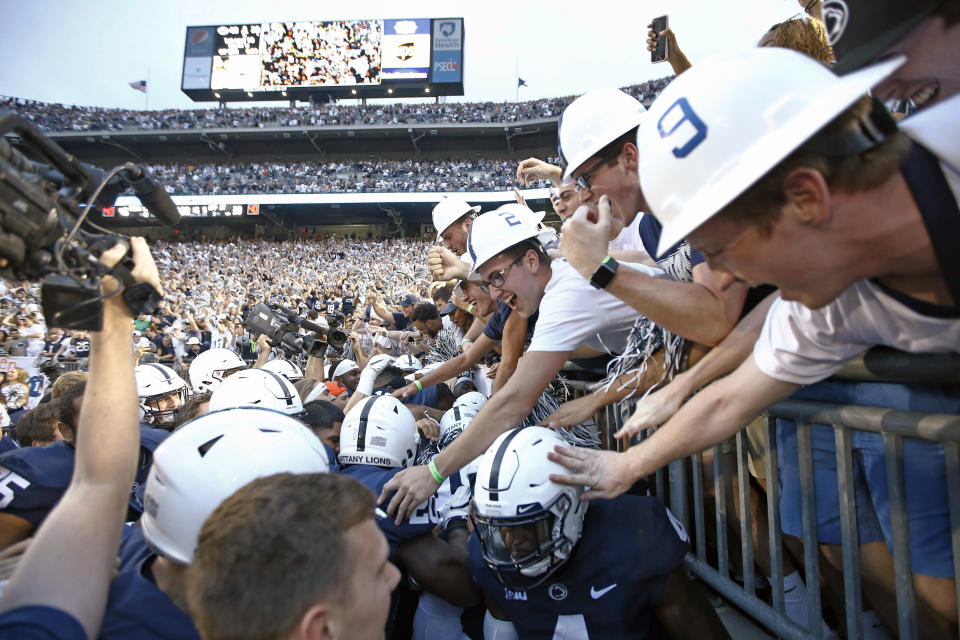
(723, 124)
(593, 121)
(498, 230)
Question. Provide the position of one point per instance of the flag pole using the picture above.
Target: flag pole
(146, 94)
(517, 99)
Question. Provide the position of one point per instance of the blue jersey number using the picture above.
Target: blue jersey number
(680, 113)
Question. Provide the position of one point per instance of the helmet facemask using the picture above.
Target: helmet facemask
(525, 550)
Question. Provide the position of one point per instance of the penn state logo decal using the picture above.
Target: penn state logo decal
(836, 15)
(557, 591)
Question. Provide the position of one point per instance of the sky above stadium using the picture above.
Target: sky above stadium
(86, 53)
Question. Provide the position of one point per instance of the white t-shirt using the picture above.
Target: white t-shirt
(803, 346)
(629, 238)
(574, 313)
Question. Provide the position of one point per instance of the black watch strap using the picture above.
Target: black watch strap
(604, 273)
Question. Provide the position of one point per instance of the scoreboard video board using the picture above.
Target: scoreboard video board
(333, 58)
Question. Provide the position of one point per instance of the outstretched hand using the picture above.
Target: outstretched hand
(410, 488)
(605, 474)
(652, 410)
(534, 168)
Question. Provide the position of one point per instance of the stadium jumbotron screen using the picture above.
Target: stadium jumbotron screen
(324, 59)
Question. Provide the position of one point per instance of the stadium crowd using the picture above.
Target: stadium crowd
(454, 174)
(58, 117)
(425, 474)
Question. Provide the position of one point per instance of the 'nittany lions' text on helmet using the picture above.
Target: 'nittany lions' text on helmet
(378, 431)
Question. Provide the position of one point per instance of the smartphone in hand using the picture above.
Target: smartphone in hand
(659, 26)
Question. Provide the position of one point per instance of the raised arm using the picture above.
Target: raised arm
(703, 310)
(659, 406)
(451, 368)
(714, 414)
(505, 410)
(70, 563)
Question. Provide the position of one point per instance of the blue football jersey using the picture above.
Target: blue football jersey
(136, 608)
(40, 623)
(33, 479)
(611, 583)
(423, 519)
(8, 444)
(331, 458)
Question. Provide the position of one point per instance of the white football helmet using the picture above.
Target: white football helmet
(527, 524)
(211, 367)
(258, 388)
(206, 460)
(407, 364)
(155, 384)
(472, 401)
(456, 416)
(378, 431)
(287, 369)
(452, 424)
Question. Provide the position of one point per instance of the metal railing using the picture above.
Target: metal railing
(682, 485)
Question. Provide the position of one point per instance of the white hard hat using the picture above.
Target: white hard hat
(593, 121)
(722, 125)
(495, 231)
(448, 211)
(206, 460)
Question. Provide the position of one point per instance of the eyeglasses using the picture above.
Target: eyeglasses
(496, 278)
(583, 182)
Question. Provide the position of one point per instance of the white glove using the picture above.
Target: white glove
(456, 509)
(373, 369)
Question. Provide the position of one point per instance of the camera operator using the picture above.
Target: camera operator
(59, 587)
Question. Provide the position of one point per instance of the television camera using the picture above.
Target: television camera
(45, 233)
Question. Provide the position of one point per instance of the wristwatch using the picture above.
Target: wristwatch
(604, 273)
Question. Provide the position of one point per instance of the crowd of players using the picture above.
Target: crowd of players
(454, 174)
(58, 117)
(321, 53)
(726, 254)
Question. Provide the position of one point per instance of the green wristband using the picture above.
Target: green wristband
(419, 386)
(436, 474)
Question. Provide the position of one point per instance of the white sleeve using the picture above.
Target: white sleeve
(802, 345)
(572, 311)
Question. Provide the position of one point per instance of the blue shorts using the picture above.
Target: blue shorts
(928, 512)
